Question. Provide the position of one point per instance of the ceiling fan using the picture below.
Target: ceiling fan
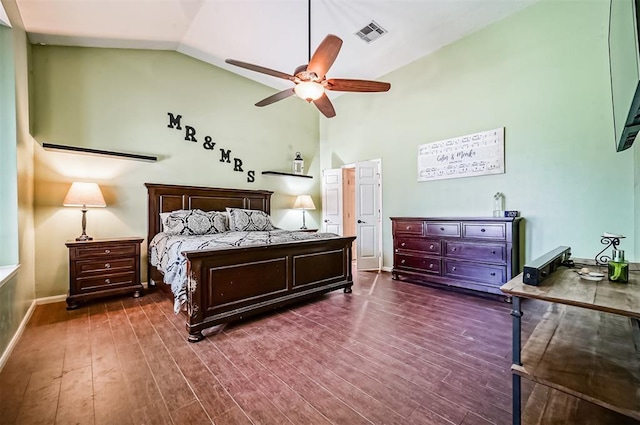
(311, 81)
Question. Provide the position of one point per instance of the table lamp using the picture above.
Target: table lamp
(84, 195)
(304, 202)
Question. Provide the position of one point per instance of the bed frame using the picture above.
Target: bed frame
(230, 284)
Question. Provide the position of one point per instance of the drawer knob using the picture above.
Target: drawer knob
(107, 266)
(442, 229)
(453, 268)
(107, 281)
(402, 244)
(493, 252)
(107, 251)
(408, 227)
(431, 265)
(431, 246)
(483, 230)
(454, 249)
(402, 262)
(493, 273)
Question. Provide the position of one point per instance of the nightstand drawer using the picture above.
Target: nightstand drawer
(103, 282)
(119, 265)
(105, 251)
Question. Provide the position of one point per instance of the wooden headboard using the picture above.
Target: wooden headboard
(166, 198)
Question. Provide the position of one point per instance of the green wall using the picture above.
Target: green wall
(17, 294)
(119, 100)
(543, 74)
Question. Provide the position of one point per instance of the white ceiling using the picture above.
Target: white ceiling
(270, 33)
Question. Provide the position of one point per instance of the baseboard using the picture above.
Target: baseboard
(17, 335)
(50, 300)
(387, 269)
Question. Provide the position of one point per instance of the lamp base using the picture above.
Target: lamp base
(84, 237)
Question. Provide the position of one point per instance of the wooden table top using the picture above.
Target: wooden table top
(564, 286)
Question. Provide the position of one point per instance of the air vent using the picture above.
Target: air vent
(371, 32)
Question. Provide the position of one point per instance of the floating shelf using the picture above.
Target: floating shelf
(78, 149)
(281, 173)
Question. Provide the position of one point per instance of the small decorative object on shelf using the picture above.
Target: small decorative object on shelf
(618, 267)
(298, 164)
(610, 240)
(498, 205)
(512, 213)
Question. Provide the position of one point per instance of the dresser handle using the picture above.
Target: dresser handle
(483, 230)
(493, 252)
(408, 227)
(402, 244)
(454, 249)
(402, 262)
(442, 229)
(107, 251)
(431, 265)
(453, 269)
(107, 266)
(493, 273)
(431, 246)
(107, 281)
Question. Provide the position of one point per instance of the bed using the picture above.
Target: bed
(229, 284)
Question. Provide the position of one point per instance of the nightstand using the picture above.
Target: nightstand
(103, 267)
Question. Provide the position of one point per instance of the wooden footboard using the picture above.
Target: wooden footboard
(235, 283)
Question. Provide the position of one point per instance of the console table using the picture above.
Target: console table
(582, 355)
(465, 252)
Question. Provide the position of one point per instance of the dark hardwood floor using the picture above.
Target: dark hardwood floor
(389, 353)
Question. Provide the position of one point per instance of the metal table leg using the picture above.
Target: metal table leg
(516, 313)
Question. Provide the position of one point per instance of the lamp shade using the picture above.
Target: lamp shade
(304, 202)
(84, 195)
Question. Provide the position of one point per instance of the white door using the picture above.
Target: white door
(332, 201)
(368, 216)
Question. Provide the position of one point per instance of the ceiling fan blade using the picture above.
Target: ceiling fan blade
(261, 69)
(276, 97)
(324, 105)
(340, 84)
(325, 55)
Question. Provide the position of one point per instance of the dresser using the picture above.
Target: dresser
(479, 254)
(103, 267)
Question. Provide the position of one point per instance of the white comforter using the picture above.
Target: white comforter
(165, 252)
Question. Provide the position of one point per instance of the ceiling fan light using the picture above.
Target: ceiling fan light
(309, 90)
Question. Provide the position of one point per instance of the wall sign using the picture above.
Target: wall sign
(466, 156)
(209, 145)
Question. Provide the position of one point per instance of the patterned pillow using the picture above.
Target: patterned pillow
(195, 222)
(248, 220)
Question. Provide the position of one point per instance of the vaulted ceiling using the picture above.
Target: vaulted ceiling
(270, 33)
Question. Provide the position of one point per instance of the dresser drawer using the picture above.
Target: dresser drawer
(425, 264)
(418, 244)
(105, 251)
(477, 272)
(408, 227)
(91, 284)
(496, 231)
(91, 267)
(443, 229)
(494, 253)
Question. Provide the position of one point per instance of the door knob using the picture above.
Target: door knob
(326, 220)
(360, 221)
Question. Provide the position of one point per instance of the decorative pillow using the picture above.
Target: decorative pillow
(241, 220)
(195, 222)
